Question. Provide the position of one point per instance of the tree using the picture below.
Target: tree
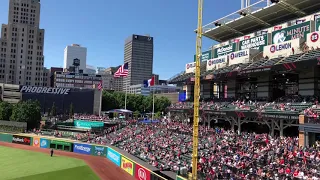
(135, 102)
(136, 114)
(71, 111)
(5, 111)
(157, 115)
(53, 110)
(27, 111)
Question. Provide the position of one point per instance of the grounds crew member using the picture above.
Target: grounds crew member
(51, 152)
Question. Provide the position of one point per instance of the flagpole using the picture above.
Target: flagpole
(153, 98)
(152, 104)
(125, 97)
(100, 102)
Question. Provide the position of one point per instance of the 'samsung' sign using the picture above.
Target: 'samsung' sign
(44, 90)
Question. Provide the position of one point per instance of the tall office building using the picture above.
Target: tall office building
(21, 44)
(75, 51)
(138, 51)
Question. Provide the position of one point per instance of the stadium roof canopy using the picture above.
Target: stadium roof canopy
(257, 18)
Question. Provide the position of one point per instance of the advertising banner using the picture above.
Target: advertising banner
(317, 22)
(127, 165)
(217, 63)
(99, 150)
(44, 90)
(141, 173)
(254, 43)
(180, 178)
(313, 40)
(190, 67)
(6, 138)
(87, 124)
(114, 156)
(21, 140)
(293, 32)
(282, 49)
(36, 142)
(242, 56)
(205, 56)
(82, 148)
(60, 143)
(224, 50)
(44, 143)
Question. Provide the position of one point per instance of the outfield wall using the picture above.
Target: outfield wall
(132, 165)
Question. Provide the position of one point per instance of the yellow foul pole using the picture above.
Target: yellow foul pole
(197, 93)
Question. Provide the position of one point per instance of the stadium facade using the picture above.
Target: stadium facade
(260, 58)
(83, 100)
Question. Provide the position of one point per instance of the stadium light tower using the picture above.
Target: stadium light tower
(197, 94)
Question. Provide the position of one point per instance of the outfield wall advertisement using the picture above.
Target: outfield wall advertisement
(205, 56)
(141, 173)
(190, 67)
(217, 63)
(313, 39)
(224, 50)
(21, 140)
(283, 49)
(293, 32)
(6, 138)
(36, 141)
(114, 156)
(254, 43)
(99, 151)
(127, 165)
(44, 143)
(82, 148)
(242, 56)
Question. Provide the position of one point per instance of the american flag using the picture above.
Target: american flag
(122, 71)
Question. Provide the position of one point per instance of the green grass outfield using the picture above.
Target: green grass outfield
(27, 165)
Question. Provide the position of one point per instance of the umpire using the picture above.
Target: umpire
(51, 152)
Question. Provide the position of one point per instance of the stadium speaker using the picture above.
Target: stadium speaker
(242, 13)
(274, 1)
(217, 24)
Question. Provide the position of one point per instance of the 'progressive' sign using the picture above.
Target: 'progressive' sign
(82, 148)
(44, 90)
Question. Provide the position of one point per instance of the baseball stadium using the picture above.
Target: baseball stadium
(249, 109)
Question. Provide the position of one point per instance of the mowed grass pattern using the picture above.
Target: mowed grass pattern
(22, 164)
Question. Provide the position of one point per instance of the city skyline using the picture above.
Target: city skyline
(103, 32)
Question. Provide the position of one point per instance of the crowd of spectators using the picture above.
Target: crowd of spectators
(223, 154)
(293, 103)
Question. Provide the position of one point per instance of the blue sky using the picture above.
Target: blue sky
(103, 25)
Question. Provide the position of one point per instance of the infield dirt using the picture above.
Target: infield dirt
(104, 168)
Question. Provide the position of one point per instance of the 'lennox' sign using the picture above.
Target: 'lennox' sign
(44, 90)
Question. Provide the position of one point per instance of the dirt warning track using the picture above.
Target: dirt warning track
(104, 168)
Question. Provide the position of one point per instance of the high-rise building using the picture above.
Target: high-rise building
(138, 52)
(116, 84)
(75, 51)
(90, 69)
(21, 45)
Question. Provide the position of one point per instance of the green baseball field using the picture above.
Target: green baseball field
(28, 165)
